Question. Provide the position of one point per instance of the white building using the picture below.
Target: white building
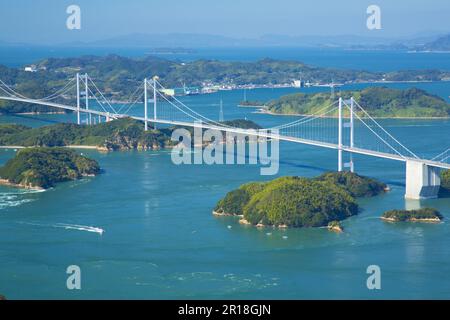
(30, 69)
(297, 83)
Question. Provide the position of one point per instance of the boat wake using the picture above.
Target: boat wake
(79, 227)
(14, 199)
(67, 227)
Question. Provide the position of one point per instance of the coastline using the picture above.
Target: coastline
(271, 113)
(98, 148)
(7, 183)
(426, 220)
(31, 113)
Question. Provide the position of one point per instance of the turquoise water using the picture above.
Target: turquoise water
(161, 241)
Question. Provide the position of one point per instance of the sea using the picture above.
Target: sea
(144, 229)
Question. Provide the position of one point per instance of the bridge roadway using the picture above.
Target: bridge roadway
(264, 134)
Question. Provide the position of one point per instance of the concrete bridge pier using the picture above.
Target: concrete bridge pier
(422, 181)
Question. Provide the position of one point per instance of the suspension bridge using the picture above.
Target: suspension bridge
(344, 126)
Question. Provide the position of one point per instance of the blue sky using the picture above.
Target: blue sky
(43, 21)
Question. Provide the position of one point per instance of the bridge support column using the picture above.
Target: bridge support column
(340, 163)
(422, 181)
(145, 106)
(154, 100)
(86, 90)
(78, 99)
(352, 133)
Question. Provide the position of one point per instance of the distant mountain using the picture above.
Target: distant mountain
(188, 40)
(170, 40)
(423, 41)
(440, 44)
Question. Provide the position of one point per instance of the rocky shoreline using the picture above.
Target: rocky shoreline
(425, 220)
(7, 183)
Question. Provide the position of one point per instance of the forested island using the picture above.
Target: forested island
(252, 103)
(118, 76)
(420, 215)
(299, 202)
(119, 134)
(42, 168)
(377, 101)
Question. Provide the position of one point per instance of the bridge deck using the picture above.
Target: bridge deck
(366, 152)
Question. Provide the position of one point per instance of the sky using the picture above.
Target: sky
(44, 21)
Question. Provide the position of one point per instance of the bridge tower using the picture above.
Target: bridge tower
(221, 111)
(154, 100)
(145, 105)
(352, 132)
(340, 163)
(86, 90)
(78, 99)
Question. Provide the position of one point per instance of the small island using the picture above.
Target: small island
(420, 215)
(379, 102)
(42, 168)
(252, 104)
(298, 202)
(242, 124)
(335, 226)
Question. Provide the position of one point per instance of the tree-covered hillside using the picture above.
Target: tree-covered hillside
(377, 101)
(44, 167)
(118, 76)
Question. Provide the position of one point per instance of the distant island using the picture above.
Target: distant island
(42, 168)
(117, 76)
(377, 101)
(420, 215)
(441, 44)
(299, 202)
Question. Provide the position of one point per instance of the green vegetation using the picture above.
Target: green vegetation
(242, 124)
(121, 134)
(252, 103)
(425, 214)
(235, 201)
(445, 183)
(378, 102)
(43, 167)
(298, 202)
(356, 185)
(117, 76)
